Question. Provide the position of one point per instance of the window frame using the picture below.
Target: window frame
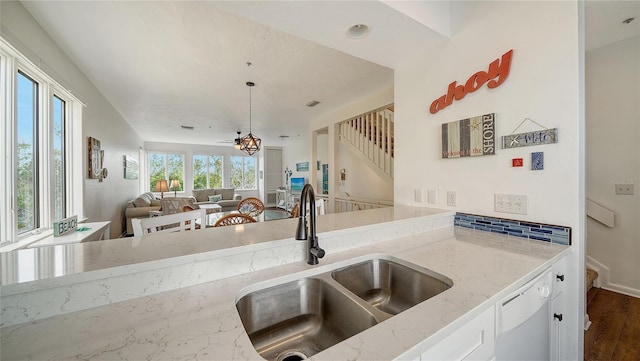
(12, 62)
(255, 165)
(207, 167)
(150, 186)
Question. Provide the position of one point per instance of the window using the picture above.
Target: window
(243, 172)
(27, 160)
(166, 166)
(38, 148)
(207, 171)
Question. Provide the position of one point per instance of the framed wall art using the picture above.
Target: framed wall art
(469, 137)
(95, 158)
(302, 167)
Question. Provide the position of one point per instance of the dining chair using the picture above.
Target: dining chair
(188, 208)
(295, 211)
(251, 206)
(234, 219)
(176, 222)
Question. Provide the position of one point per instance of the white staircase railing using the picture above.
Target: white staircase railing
(358, 204)
(370, 135)
(600, 214)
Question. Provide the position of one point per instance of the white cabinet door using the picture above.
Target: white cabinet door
(558, 308)
(473, 341)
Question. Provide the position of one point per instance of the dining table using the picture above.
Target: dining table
(266, 215)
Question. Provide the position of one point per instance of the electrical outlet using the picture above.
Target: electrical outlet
(431, 196)
(624, 189)
(451, 199)
(510, 203)
(417, 195)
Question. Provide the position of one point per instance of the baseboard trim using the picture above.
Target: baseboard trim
(603, 271)
(603, 280)
(622, 289)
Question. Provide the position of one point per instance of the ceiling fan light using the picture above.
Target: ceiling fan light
(237, 144)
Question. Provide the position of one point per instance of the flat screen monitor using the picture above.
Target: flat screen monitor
(297, 184)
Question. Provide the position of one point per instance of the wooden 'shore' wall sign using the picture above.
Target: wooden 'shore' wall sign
(469, 137)
(495, 75)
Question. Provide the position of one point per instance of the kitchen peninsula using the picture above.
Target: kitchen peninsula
(173, 296)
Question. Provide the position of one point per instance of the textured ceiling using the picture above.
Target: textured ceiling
(166, 64)
(163, 64)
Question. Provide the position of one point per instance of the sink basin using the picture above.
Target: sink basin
(390, 286)
(298, 319)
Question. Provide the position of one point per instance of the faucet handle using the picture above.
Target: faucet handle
(317, 251)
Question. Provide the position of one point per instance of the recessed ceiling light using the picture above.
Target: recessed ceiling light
(627, 21)
(358, 31)
(188, 127)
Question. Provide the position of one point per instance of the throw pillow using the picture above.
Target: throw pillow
(215, 198)
(155, 202)
(141, 202)
(227, 193)
(246, 209)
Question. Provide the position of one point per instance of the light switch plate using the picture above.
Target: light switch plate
(510, 203)
(431, 196)
(451, 199)
(417, 195)
(624, 189)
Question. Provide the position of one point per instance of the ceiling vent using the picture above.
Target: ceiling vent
(312, 103)
(188, 127)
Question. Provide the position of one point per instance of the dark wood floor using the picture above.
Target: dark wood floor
(615, 330)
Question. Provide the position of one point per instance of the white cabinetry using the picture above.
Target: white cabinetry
(476, 340)
(473, 341)
(558, 311)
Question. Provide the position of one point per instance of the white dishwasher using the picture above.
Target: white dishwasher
(523, 322)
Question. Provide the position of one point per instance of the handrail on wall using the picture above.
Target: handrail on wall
(600, 214)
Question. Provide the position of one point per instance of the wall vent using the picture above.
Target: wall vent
(312, 103)
(188, 127)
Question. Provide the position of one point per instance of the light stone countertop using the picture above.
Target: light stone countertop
(81, 258)
(201, 321)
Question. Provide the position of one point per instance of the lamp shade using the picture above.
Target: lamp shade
(161, 186)
(175, 184)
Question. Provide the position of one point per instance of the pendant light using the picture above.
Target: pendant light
(250, 143)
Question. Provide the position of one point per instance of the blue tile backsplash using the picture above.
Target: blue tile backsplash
(530, 230)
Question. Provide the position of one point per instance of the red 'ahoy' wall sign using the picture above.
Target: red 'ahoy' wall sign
(497, 73)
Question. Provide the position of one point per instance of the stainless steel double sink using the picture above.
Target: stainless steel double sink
(297, 319)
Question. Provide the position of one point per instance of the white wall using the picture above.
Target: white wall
(297, 150)
(613, 157)
(105, 200)
(544, 85)
(361, 181)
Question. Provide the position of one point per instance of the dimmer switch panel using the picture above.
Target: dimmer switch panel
(510, 203)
